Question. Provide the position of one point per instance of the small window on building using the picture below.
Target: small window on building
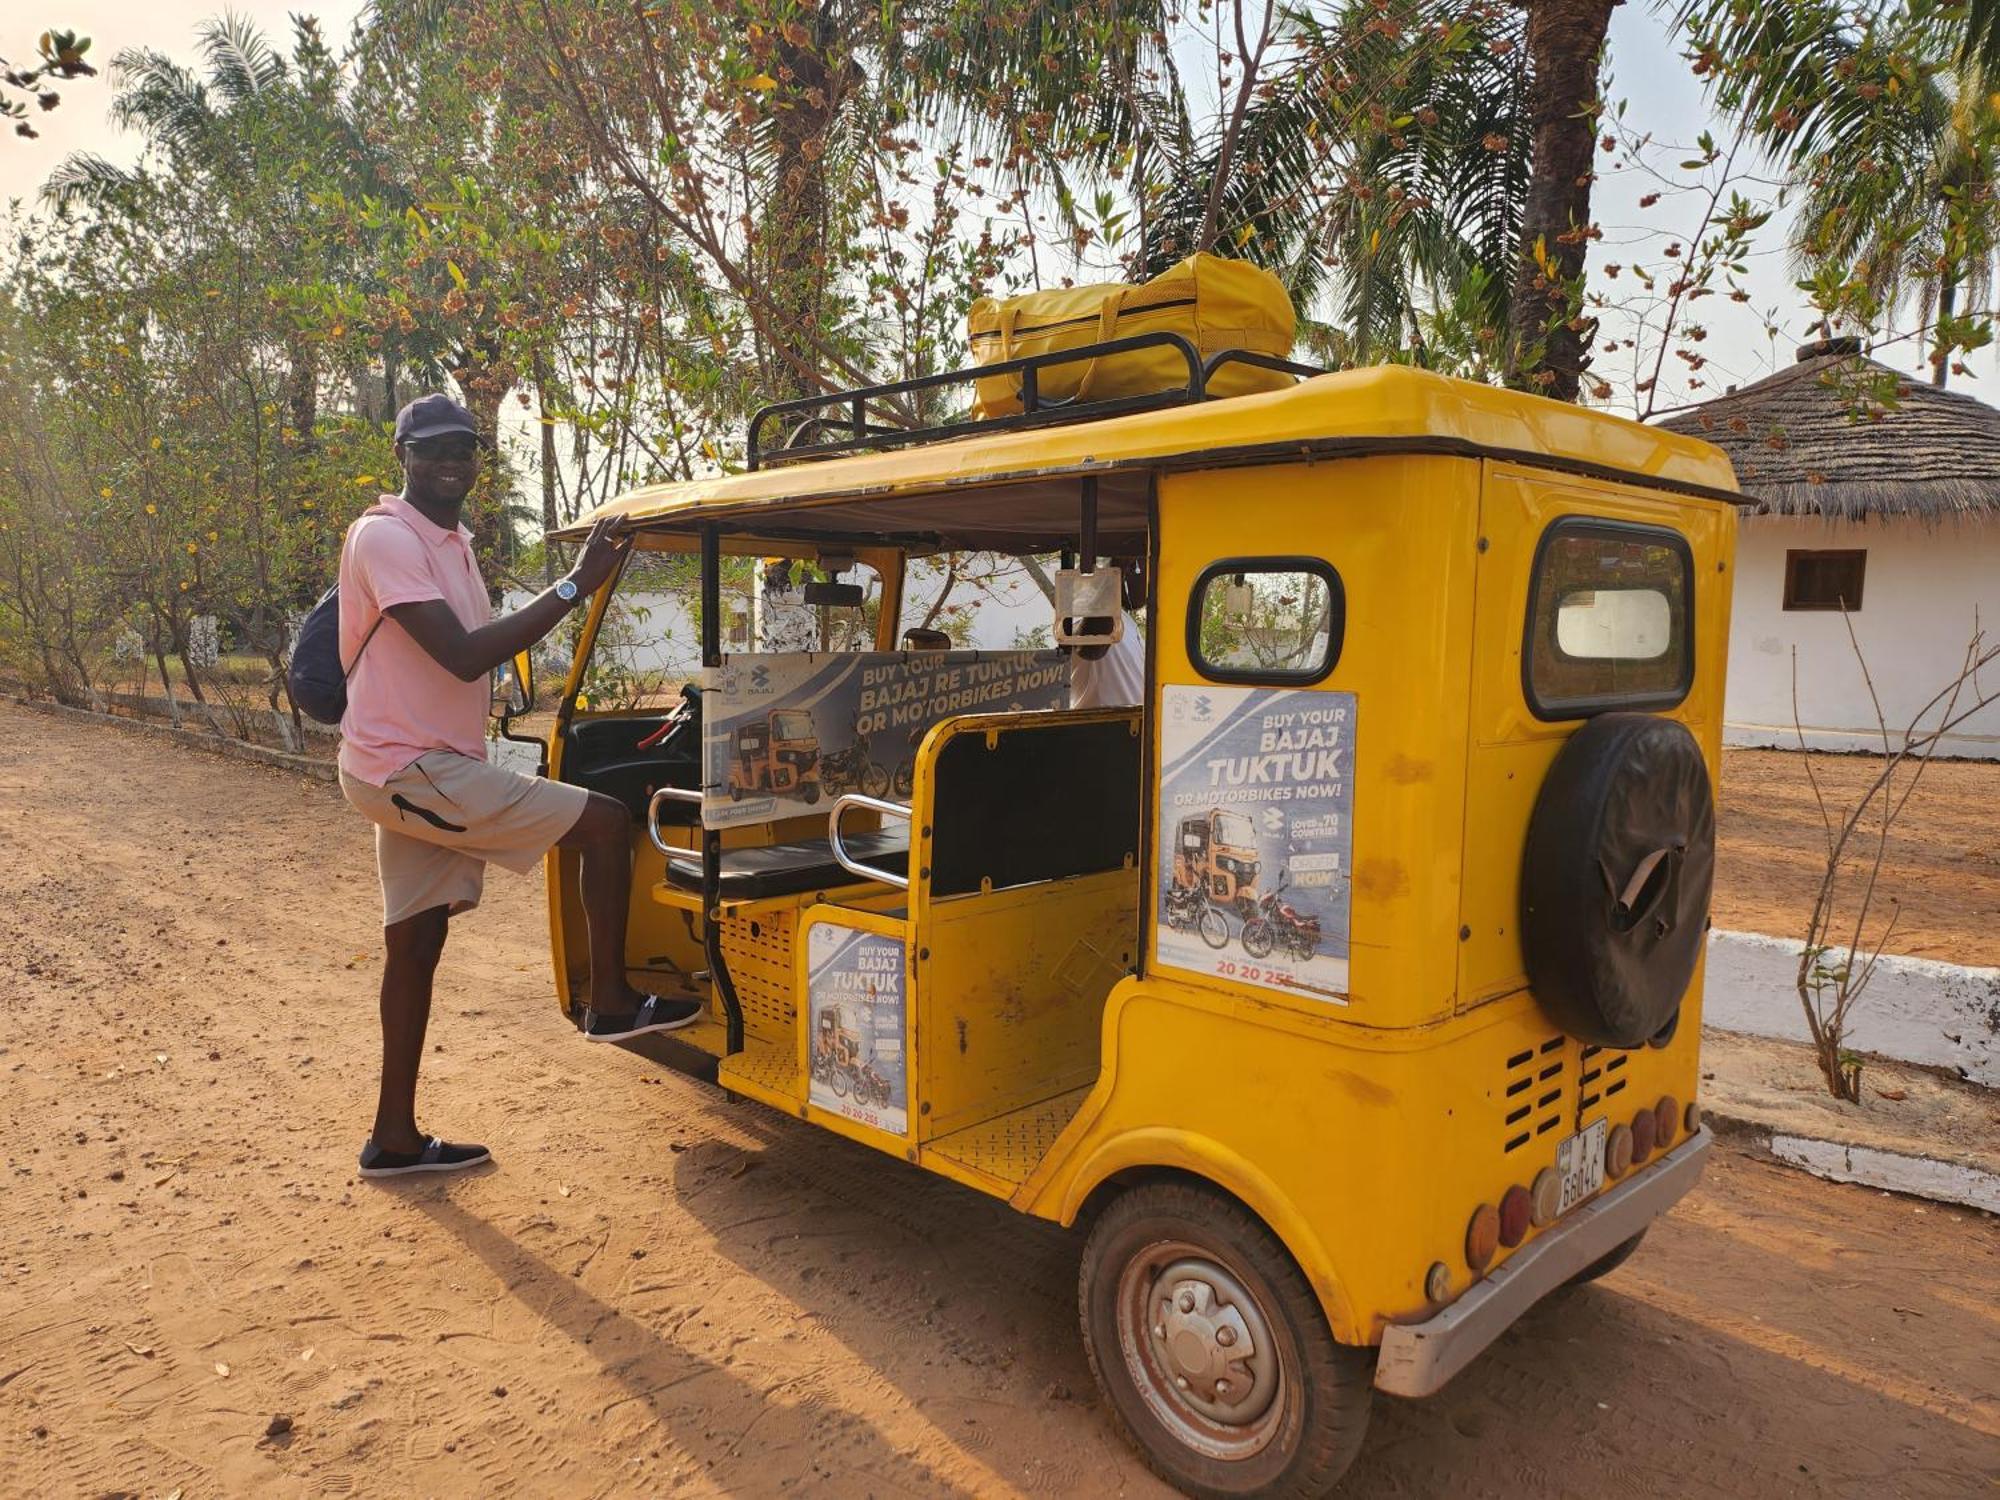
(1611, 623)
(1266, 619)
(1824, 580)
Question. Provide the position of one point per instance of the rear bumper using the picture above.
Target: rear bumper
(1418, 1358)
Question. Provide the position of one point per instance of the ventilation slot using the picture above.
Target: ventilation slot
(1532, 1092)
(1596, 1078)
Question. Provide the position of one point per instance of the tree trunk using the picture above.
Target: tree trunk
(795, 214)
(1947, 305)
(548, 466)
(1548, 341)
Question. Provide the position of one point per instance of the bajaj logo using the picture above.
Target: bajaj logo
(760, 679)
(1204, 709)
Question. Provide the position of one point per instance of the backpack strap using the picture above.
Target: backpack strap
(349, 671)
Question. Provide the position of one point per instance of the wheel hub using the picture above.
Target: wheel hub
(1209, 1337)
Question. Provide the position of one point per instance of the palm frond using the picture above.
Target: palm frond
(241, 64)
(84, 177)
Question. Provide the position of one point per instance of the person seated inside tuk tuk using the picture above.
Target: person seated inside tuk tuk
(1112, 676)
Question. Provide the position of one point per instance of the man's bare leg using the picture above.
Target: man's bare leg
(412, 948)
(603, 835)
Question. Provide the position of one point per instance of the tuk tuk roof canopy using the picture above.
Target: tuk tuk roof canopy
(1016, 491)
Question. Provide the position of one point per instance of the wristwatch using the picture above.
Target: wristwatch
(566, 590)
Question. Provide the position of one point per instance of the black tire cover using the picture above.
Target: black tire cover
(1616, 879)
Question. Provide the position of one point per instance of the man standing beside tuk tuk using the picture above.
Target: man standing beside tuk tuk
(418, 642)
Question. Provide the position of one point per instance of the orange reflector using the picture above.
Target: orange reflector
(1693, 1117)
(1515, 1209)
(1482, 1237)
(1642, 1136)
(1666, 1120)
(1618, 1152)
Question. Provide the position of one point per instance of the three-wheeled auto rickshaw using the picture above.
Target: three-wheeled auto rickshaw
(1482, 713)
(1217, 855)
(778, 755)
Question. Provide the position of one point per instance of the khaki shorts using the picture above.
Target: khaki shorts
(442, 817)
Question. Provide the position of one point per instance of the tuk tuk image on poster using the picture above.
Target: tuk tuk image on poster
(1256, 836)
(855, 991)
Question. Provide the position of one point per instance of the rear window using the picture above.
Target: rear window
(1610, 623)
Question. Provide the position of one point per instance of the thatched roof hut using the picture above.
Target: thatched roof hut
(1811, 441)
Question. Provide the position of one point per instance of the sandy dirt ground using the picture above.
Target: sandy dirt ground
(1941, 868)
(656, 1291)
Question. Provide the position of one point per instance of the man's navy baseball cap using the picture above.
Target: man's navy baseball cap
(435, 415)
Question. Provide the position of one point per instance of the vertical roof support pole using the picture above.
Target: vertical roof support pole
(711, 838)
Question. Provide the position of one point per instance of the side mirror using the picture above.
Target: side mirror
(841, 595)
(513, 688)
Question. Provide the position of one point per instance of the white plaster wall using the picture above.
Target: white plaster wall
(1924, 588)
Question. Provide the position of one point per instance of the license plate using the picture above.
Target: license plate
(1580, 1165)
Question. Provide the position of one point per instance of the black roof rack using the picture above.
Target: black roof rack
(842, 422)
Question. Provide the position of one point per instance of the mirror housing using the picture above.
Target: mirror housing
(513, 688)
(843, 595)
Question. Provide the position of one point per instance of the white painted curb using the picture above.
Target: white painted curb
(1914, 1010)
(1920, 1176)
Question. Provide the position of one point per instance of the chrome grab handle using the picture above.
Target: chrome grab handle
(840, 855)
(665, 794)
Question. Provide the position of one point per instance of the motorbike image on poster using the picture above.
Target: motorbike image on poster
(1256, 836)
(855, 991)
(782, 732)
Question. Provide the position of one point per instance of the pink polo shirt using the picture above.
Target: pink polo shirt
(400, 703)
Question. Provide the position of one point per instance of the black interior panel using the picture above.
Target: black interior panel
(602, 756)
(1042, 804)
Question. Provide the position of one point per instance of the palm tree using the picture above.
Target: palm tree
(1882, 118)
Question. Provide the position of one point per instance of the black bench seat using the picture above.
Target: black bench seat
(792, 869)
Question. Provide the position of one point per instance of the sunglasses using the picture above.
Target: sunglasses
(446, 447)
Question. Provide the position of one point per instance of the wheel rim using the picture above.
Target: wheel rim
(1201, 1352)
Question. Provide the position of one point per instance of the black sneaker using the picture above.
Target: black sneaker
(437, 1156)
(653, 1014)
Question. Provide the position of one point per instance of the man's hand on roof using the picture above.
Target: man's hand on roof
(600, 557)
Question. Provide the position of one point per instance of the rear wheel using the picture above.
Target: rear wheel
(1212, 1351)
(874, 780)
(1607, 1264)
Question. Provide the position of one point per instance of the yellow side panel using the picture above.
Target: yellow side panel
(1402, 534)
(1512, 749)
(1011, 988)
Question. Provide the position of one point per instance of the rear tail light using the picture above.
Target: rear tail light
(1693, 1117)
(1642, 1136)
(1437, 1283)
(1546, 1196)
(1666, 1120)
(1482, 1237)
(1618, 1152)
(1515, 1209)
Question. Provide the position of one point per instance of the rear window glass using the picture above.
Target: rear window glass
(1610, 624)
(1267, 619)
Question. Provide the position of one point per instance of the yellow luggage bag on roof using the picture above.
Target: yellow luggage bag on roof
(1215, 304)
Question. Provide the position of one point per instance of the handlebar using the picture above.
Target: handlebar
(666, 794)
(840, 855)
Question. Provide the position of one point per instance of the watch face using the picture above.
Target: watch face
(566, 590)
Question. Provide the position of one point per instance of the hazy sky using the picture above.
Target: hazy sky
(1662, 96)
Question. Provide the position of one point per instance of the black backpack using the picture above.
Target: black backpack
(317, 681)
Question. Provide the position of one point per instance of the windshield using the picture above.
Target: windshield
(792, 726)
(1234, 830)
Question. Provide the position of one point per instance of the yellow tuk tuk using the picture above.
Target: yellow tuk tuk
(1475, 722)
(1218, 857)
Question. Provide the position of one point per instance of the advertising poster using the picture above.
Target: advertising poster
(785, 734)
(1256, 836)
(854, 991)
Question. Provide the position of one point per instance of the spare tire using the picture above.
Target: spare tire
(1616, 879)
